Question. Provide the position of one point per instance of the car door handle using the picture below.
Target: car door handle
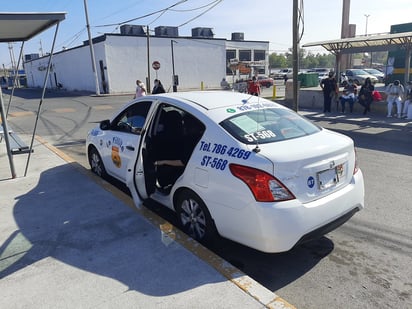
(131, 148)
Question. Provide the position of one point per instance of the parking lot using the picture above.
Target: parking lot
(365, 263)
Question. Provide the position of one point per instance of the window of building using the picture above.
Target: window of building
(259, 55)
(230, 54)
(245, 55)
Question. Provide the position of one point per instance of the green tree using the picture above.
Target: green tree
(277, 60)
(307, 60)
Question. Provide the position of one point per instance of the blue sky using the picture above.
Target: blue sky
(269, 20)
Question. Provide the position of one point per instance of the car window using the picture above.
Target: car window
(132, 119)
(268, 125)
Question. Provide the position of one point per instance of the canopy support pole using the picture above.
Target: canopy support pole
(6, 136)
(42, 97)
(15, 78)
(408, 51)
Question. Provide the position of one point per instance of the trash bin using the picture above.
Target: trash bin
(308, 79)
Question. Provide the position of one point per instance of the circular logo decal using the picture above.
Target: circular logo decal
(311, 182)
(231, 110)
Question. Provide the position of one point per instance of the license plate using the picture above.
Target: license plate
(329, 178)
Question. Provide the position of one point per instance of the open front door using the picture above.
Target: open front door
(141, 178)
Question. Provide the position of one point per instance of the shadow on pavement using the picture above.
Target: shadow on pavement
(375, 134)
(70, 218)
(35, 93)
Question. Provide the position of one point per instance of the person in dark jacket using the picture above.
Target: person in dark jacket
(158, 87)
(365, 95)
(330, 89)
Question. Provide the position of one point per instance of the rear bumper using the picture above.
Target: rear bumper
(319, 232)
(278, 227)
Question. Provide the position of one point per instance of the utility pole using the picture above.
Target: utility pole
(148, 59)
(91, 49)
(366, 26)
(173, 67)
(295, 54)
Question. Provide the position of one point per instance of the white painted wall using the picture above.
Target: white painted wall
(125, 60)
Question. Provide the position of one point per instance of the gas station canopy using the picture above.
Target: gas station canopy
(367, 43)
(23, 26)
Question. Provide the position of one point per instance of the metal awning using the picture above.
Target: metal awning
(22, 27)
(367, 43)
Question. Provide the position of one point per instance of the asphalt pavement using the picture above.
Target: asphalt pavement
(70, 240)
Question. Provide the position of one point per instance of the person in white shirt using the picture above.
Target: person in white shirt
(140, 89)
(395, 92)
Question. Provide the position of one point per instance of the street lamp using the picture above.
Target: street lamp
(175, 82)
(366, 27)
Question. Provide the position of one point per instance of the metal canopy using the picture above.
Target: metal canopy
(368, 43)
(23, 26)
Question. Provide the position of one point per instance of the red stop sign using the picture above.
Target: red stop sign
(156, 65)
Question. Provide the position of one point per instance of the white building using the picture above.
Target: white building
(199, 60)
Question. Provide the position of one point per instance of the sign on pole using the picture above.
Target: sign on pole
(156, 65)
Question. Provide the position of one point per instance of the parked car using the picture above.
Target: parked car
(358, 76)
(265, 81)
(240, 85)
(343, 81)
(281, 74)
(231, 164)
(378, 74)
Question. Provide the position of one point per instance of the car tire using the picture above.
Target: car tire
(194, 217)
(96, 163)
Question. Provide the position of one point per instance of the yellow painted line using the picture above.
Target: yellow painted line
(21, 114)
(64, 110)
(245, 283)
(102, 107)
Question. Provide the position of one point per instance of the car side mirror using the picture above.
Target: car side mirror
(105, 125)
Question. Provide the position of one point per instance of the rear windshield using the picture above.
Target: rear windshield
(268, 126)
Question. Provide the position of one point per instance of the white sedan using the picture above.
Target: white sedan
(233, 165)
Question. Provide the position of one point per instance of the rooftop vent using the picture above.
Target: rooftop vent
(201, 32)
(167, 31)
(238, 36)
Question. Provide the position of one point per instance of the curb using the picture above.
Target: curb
(263, 295)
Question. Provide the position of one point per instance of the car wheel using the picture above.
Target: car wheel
(195, 218)
(96, 163)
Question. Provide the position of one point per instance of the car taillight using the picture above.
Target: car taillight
(356, 167)
(265, 187)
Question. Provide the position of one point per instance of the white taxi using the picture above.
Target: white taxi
(243, 167)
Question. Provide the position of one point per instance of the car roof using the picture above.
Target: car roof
(218, 105)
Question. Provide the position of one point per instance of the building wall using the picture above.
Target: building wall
(123, 59)
(72, 69)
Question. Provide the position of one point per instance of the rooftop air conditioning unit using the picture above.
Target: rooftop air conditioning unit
(238, 36)
(132, 30)
(167, 31)
(201, 32)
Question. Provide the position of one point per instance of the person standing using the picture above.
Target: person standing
(365, 95)
(158, 87)
(330, 89)
(254, 87)
(407, 105)
(395, 92)
(140, 89)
